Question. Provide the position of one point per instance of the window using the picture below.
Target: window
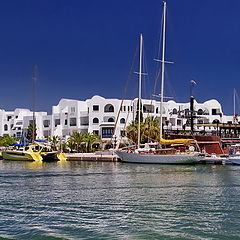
(215, 111)
(95, 120)
(18, 135)
(200, 112)
(157, 110)
(107, 132)
(110, 120)
(122, 120)
(73, 122)
(46, 123)
(179, 122)
(131, 108)
(215, 121)
(57, 122)
(124, 108)
(46, 133)
(123, 133)
(9, 117)
(128, 109)
(172, 121)
(5, 127)
(95, 107)
(174, 111)
(187, 112)
(109, 108)
(84, 121)
(147, 108)
(65, 122)
(96, 132)
(72, 109)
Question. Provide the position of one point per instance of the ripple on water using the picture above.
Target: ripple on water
(118, 201)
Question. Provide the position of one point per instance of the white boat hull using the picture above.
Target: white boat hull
(234, 160)
(190, 158)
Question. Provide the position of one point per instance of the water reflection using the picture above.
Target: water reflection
(83, 200)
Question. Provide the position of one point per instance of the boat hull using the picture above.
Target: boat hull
(191, 158)
(235, 160)
(21, 156)
(53, 156)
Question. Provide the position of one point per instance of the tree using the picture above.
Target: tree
(77, 138)
(149, 130)
(90, 139)
(132, 131)
(30, 133)
(71, 145)
(54, 142)
(141, 113)
(7, 141)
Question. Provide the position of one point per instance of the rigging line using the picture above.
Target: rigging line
(125, 90)
(238, 100)
(146, 78)
(169, 85)
(159, 44)
(124, 128)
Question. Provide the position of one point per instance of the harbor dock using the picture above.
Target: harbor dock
(98, 157)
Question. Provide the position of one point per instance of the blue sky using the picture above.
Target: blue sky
(86, 47)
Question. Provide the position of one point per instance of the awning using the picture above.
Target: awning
(176, 141)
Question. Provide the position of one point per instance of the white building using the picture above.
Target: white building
(108, 117)
(14, 123)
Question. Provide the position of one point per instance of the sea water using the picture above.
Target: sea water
(84, 200)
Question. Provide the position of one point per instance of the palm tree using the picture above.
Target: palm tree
(90, 139)
(78, 139)
(149, 130)
(71, 145)
(54, 142)
(132, 131)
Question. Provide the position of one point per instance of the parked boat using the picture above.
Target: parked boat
(50, 155)
(159, 156)
(22, 153)
(235, 160)
(33, 152)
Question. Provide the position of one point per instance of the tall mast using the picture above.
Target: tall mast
(163, 67)
(140, 89)
(234, 103)
(34, 78)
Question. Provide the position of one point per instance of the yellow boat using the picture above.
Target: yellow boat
(24, 153)
(48, 154)
(33, 152)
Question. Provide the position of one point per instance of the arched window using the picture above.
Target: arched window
(5, 127)
(215, 121)
(122, 120)
(174, 111)
(200, 112)
(110, 120)
(157, 110)
(109, 108)
(95, 120)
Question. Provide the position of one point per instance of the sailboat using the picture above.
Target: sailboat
(164, 155)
